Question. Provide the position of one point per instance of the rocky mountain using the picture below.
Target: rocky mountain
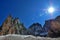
(12, 26)
(35, 29)
(53, 27)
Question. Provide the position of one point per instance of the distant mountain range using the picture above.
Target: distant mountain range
(12, 25)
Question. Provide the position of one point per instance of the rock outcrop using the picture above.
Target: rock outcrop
(12, 26)
(53, 27)
(35, 29)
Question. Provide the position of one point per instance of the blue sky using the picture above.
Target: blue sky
(28, 11)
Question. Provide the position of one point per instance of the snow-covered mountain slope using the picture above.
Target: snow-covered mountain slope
(24, 37)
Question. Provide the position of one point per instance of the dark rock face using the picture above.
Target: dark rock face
(53, 27)
(47, 26)
(12, 26)
(35, 29)
(57, 18)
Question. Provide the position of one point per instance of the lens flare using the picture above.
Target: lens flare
(51, 10)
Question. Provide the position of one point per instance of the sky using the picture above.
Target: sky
(28, 11)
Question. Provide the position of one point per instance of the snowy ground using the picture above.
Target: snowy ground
(24, 37)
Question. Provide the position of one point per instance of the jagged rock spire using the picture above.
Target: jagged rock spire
(16, 21)
(12, 26)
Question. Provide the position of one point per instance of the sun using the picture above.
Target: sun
(51, 10)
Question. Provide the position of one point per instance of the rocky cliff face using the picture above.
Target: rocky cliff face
(12, 26)
(53, 27)
(35, 29)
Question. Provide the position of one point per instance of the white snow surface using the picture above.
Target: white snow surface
(25, 37)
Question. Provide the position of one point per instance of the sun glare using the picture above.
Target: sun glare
(51, 10)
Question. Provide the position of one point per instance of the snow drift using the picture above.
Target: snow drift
(25, 37)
